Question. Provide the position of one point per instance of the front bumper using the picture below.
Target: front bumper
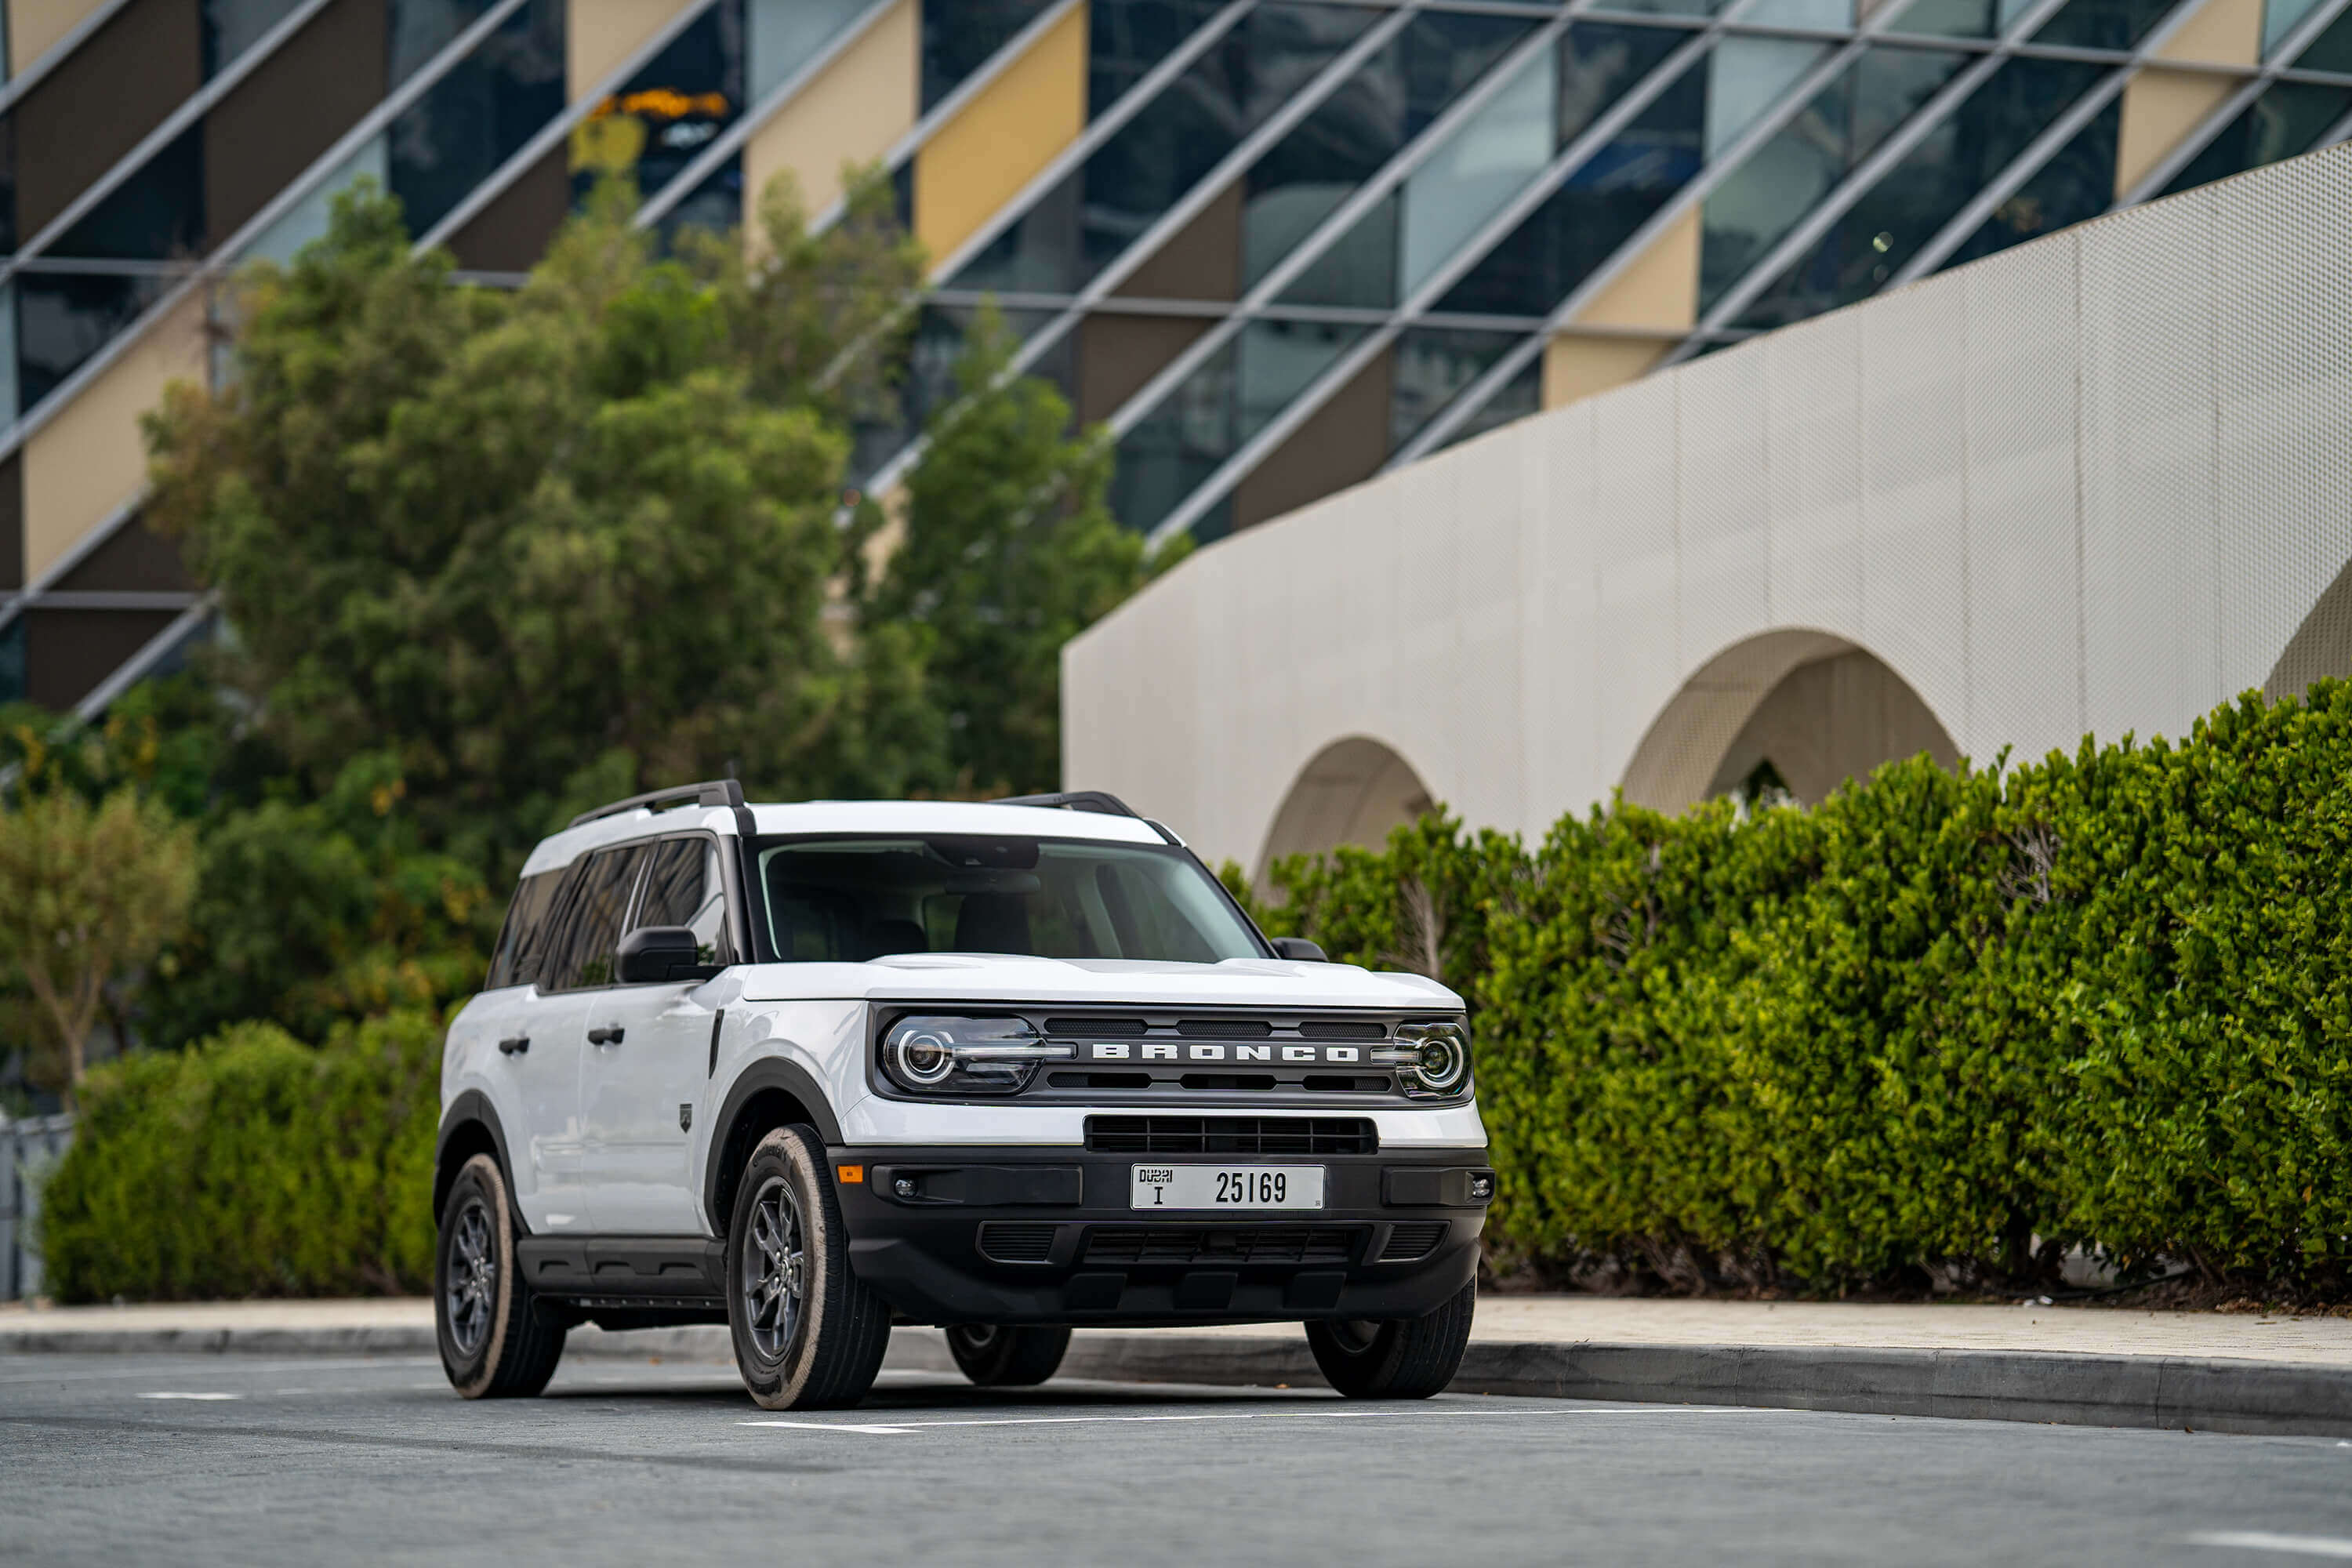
(1045, 1234)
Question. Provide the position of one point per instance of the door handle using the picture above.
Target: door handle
(611, 1036)
(514, 1044)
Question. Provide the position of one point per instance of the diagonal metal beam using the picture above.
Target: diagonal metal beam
(1210, 185)
(191, 109)
(2167, 169)
(226, 255)
(79, 551)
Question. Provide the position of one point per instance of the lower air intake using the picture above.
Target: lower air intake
(1231, 1135)
(1008, 1242)
(1415, 1239)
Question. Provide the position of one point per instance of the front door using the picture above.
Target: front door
(642, 1088)
(573, 975)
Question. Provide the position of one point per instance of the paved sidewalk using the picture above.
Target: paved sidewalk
(2225, 1372)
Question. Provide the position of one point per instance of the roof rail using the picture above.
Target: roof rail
(713, 792)
(1092, 800)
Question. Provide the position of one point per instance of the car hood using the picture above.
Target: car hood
(999, 977)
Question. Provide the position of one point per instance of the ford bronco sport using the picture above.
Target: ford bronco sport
(809, 1071)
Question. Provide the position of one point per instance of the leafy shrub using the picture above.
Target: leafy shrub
(252, 1165)
(1939, 1028)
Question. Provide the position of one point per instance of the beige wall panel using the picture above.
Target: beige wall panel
(1578, 367)
(850, 114)
(600, 34)
(89, 459)
(2222, 32)
(34, 26)
(2160, 106)
(1659, 290)
(975, 162)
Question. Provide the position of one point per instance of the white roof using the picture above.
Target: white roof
(877, 816)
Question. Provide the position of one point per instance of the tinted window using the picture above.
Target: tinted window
(684, 886)
(579, 950)
(836, 901)
(523, 937)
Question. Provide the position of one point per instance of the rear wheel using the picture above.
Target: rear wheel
(808, 1334)
(995, 1357)
(496, 1341)
(1412, 1359)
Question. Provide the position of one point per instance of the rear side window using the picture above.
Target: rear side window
(523, 938)
(684, 886)
(580, 948)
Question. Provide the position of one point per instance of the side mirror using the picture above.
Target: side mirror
(1299, 949)
(650, 955)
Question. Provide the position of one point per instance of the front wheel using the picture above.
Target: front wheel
(1412, 1359)
(808, 1334)
(495, 1339)
(996, 1357)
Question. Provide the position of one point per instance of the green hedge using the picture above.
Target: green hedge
(1935, 1030)
(252, 1165)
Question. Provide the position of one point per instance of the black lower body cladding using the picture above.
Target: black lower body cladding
(999, 1234)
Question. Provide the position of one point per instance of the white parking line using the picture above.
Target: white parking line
(900, 1428)
(2265, 1540)
(173, 1396)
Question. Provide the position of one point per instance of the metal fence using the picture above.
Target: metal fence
(29, 1151)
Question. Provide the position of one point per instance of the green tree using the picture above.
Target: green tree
(541, 549)
(88, 896)
(1008, 552)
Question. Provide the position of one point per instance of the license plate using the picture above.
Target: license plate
(1227, 1187)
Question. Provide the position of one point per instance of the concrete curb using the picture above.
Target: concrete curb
(2172, 1392)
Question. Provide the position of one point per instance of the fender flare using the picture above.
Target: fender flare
(473, 1108)
(767, 1073)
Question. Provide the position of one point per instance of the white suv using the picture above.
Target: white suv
(811, 1069)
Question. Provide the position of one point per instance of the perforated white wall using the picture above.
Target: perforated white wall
(2094, 483)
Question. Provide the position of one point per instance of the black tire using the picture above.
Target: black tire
(497, 1342)
(1408, 1360)
(808, 1334)
(996, 1357)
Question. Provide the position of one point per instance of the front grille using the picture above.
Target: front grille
(1342, 1029)
(1231, 1135)
(1415, 1239)
(1223, 1029)
(1011, 1242)
(1093, 1028)
(1198, 1244)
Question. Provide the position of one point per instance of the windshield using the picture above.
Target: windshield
(838, 899)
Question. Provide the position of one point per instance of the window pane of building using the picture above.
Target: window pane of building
(2332, 50)
(1125, 38)
(1152, 162)
(1479, 169)
(1916, 198)
(1764, 198)
(2077, 183)
(961, 37)
(1747, 77)
(473, 119)
(233, 27)
(155, 214)
(2102, 24)
(1430, 367)
(63, 318)
(2279, 17)
(1578, 227)
(423, 28)
(1176, 445)
(1514, 399)
(2284, 120)
(1277, 360)
(660, 122)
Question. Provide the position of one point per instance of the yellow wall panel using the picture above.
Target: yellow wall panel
(2160, 106)
(851, 113)
(1578, 367)
(975, 162)
(34, 26)
(600, 34)
(1659, 290)
(2222, 32)
(89, 459)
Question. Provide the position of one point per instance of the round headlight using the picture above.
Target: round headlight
(1441, 1057)
(918, 1057)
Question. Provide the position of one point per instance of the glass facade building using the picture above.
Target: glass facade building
(1277, 246)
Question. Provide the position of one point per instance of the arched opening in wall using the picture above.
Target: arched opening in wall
(2321, 646)
(1353, 791)
(1787, 714)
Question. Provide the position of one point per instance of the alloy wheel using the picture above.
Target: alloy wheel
(473, 1277)
(774, 1268)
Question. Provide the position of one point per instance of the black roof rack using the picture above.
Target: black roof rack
(1092, 800)
(713, 792)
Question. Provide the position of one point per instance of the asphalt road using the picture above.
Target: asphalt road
(240, 1460)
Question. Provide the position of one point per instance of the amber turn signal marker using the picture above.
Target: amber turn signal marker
(852, 1174)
